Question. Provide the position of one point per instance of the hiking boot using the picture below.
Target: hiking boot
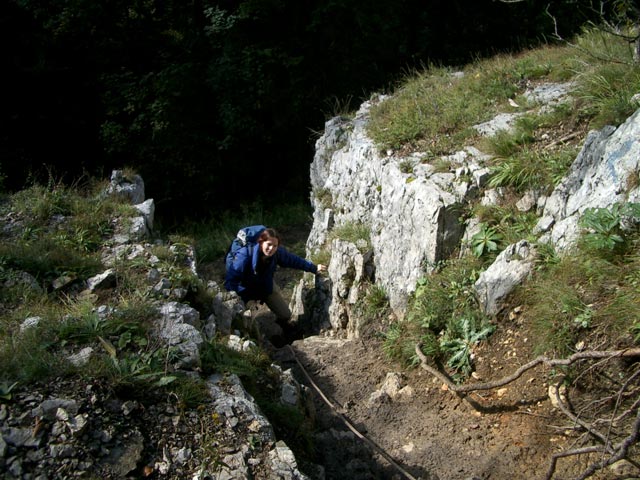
(278, 341)
(290, 331)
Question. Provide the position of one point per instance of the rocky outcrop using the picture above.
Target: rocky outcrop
(512, 266)
(72, 428)
(411, 211)
(68, 429)
(349, 270)
(129, 186)
(605, 172)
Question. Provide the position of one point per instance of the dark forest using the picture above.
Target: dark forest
(216, 103)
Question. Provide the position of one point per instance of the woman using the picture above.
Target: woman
(250, 274)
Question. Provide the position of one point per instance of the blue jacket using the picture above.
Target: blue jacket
(255, 282)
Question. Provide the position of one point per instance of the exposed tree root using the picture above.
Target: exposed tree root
(616, 453)
(609, 453)
(541, 360)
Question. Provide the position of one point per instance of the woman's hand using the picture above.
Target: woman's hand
(321, 268)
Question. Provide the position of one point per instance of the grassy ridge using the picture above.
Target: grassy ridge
(433, 112)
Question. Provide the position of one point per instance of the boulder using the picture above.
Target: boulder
(511, 267)
(128, 186)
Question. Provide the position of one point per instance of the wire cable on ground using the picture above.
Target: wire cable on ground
(346, 421)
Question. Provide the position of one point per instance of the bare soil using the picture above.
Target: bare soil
(429, 431)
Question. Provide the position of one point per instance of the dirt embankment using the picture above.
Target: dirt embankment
(428, 431)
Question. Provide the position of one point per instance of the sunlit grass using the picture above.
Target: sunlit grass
(591, 296)
(433, 110)
(354, 232)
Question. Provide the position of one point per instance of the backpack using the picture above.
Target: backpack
(244, 237)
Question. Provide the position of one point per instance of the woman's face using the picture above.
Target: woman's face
(269, 246)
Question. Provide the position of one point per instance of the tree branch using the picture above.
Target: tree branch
(569, 453)
(614, 452)
(549, 362)
(622, 448)
(589, 428)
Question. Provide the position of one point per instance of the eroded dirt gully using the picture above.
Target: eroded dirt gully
(424, 431)
(427, 431)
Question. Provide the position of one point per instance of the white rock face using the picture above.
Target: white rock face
(147, 209)
(411, 211)
(608, 163)
(511, 267)
(129, 187)
(178, 326)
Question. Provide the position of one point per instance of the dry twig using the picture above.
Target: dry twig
(609, 453)
(541, 360)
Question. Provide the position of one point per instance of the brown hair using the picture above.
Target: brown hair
(268, 233)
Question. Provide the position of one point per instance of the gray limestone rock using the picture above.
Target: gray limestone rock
(599, 177)
(511, 267)
(129, 187)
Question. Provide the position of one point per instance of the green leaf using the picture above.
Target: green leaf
(5, 390)
(108, 346)
(124, 340)
(166, 380)
(486, 240)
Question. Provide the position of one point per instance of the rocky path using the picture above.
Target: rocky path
(428, 431)
(410, 416)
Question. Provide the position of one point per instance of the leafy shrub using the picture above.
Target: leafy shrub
(507, 221)
(458, 343)
(443, 317)
(603, 227)
(401, 338)
(144, 369)
(485, 241)
(5, 390)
